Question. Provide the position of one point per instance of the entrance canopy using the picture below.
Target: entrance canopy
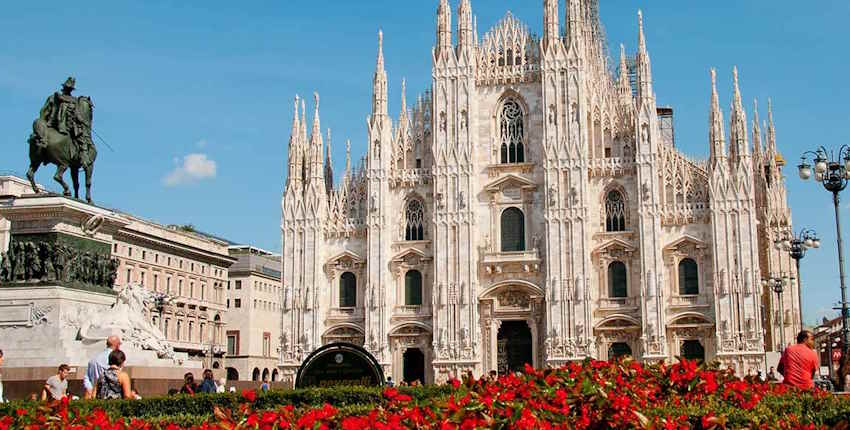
(339, 363)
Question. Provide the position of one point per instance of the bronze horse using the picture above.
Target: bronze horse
(61, 150)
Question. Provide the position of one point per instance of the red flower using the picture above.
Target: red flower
(249, 395)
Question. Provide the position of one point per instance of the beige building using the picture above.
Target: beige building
(190, 267)
(532, 207)
(10, 186)
(253, 315)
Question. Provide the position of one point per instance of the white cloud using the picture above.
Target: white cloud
(194, 168)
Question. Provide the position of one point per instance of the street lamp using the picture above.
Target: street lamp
(777, 284)
(833, 173)
(796, 246)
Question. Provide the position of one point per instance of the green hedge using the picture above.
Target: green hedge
(201, 405)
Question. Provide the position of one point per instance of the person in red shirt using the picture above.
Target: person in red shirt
(800, 362)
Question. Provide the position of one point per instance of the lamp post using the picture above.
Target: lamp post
(797, 245)
(777, 284)
(833, 172)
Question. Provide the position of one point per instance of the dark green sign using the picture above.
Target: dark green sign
(339, 364)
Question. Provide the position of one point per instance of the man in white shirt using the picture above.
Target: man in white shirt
(98, 364)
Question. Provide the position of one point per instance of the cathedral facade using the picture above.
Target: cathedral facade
(532, 207)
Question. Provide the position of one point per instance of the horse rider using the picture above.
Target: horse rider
(58, 113)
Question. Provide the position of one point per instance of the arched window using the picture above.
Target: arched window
(615, 212)
(414, 216)
(693, 350)
(513, 230)
(619, 349)
(688, 277)
(413, 288)
(511, 133)
(347, 290)
(255, 375)
(617, 283)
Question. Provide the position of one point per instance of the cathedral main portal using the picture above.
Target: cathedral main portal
(514, 347)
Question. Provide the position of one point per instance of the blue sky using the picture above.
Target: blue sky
(196, 97)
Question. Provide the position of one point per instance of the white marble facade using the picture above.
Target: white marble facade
(532, 193)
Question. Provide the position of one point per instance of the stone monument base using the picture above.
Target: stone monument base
(39, 330)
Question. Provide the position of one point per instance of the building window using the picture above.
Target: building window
(178, 329)
(143, 255)
(228, 304)
(201, 338)
(165, 329)
(238, 285)
(192, 290)
(267, 344)
(114, 248)
(169, 262)
(156, 282)
(414, 216)
(191, 328)
(168, 285)
(142, 278)
(347, 290)
(513, 230)
(232, 342)
(129, 276)
(203, 292)
(511, 133)
(130, 251)
(688, 277)
(156, 258)
(615, 212)
(617, 283)
(413, 288)
(237, 303)
(180, 287)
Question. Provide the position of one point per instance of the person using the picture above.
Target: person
(2, 399)
(220, 387)
(265, 385)
(232, 389)
(390, 382)
(208, 384)
(56, 386)
(799, 362)
(771, 375)
(494, 376)
(189, 386)
(114, 382)
(98, 365)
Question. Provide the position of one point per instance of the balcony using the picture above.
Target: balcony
(619, 304)
(610, 166)
(689, 302)
(345, 313)
(409, 177)
(412, 311)
(494, 263)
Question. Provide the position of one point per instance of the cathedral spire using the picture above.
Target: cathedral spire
(379, 84)
(303, 129)
(316, 144)
(771, 132)
(347, 161)
(444, 28)
(757, 148)
(623, 84)
(643, 64)
(403, 97)
(329, 170)
(715, 123)
(738, 146)
(465, 39)
(551, 31)
(294, 174)
(574, 20)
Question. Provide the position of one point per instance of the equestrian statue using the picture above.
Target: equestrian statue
(61, 135)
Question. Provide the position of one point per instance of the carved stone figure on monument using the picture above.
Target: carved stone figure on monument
(5, 268)
(128, 318)
(45, 256)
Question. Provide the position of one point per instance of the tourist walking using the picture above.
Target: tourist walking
(56, 386)
(114, 382)
(208, 384)
(98, 365)
(799, 362)
(265, 386)
(189, 386)
(2, 399)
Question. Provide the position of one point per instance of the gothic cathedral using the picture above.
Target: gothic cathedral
(532, 207)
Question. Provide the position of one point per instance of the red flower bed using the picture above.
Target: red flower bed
(588, 395)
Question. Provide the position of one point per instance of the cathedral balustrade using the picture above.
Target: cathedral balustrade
(511, 262)
(409, 177)
(690, 301)
(345, 313)
(620, 304)
(412, 311)
(613, 166)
